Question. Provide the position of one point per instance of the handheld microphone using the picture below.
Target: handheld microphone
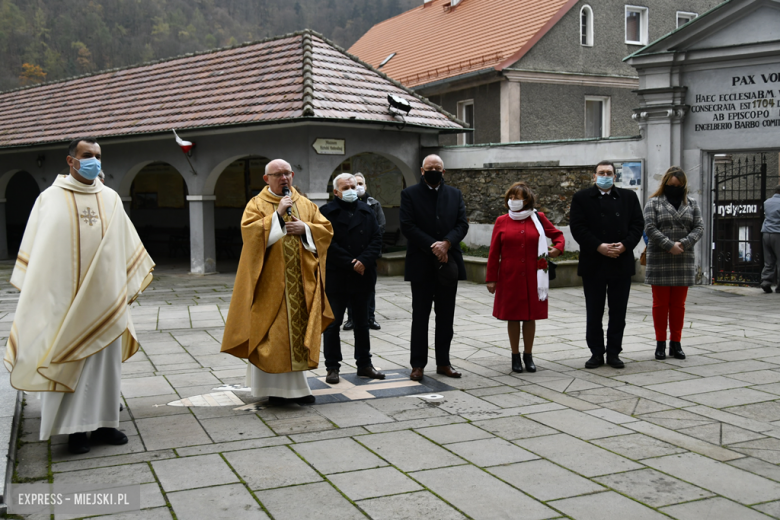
(285, 192)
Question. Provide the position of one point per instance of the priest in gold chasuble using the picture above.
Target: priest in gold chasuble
(79, 265)
(279, 310)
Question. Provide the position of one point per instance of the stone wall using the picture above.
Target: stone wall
(483, 189)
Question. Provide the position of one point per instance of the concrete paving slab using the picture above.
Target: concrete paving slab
(146, 386)
(454, 433)
(490, 452)
(266, 468)
(653, 488)
(172, 431)
(513, 428)
(409, 451)
(544, 480)
(480, 495)
(725, 480)
(373, 483)
(193, 472)
(577, 455)
(222, 503)
(605, 506)
(413, 505)
(713, 509)
(337, 455)
(321, 501)
(579, 424)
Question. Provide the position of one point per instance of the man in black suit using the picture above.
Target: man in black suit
(607, 223)
(350, 274)
(433, 220)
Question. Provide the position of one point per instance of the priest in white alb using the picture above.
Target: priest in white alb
(79, 266)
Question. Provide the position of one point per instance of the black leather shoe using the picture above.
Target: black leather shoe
(517, 366)
(370, 372)
(615, 362)
(109, 436)
(333, 377)
(373, 325)
(306, 399)
(78, 443)
(595, 361)
(277, 401)
(528, 359)
(660, 350)
(417, 374)
(675, 349)
(349, 325)
(766, 288)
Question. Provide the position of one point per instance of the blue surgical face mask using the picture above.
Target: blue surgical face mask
(89, 168)
(604, 182)
(349, 195)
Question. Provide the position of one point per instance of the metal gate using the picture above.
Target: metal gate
(739, 192)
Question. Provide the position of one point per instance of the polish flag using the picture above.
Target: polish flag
(186, 146)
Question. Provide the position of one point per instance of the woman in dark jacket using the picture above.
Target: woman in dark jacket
(673, 225)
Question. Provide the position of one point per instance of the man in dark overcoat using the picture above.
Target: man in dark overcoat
(607, 223)
(350, 274)
(433, 220)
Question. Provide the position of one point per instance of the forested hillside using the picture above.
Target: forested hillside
(45, 40)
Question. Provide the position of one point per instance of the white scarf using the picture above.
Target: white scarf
(542, 276)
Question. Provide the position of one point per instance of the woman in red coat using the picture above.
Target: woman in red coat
(517, 269)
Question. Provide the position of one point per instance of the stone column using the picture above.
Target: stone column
(3, 232)
(320, 199)
(203, 251)
(510, 111)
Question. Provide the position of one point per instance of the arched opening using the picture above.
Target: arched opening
(159, 211)
(20, 195)
(241, 180)
(385, 183)
(586, 26)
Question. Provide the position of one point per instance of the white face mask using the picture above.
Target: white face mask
(361, 190)
(516, 204)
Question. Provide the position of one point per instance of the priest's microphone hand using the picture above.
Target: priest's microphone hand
(284, 203)
(358, 267)
(295, 226)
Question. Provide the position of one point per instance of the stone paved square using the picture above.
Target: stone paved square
(694, 438)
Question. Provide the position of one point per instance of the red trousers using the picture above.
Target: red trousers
(669, 307)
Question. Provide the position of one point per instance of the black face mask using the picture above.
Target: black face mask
(674, 192)
(432, 177)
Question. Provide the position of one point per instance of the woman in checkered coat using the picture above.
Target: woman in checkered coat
(673, 225)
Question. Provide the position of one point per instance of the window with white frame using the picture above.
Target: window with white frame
(636, 25)
(684, 17)
(597, 116)
(466, 113)
(586, 26)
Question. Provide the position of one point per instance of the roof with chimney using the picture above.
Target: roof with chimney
(298, 77)
(442, 39)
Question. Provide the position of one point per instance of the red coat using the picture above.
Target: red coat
(512, 264)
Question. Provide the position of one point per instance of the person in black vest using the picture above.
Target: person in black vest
(350, 274)
(607, 223)
(433, 220)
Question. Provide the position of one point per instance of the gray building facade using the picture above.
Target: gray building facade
(572, 83)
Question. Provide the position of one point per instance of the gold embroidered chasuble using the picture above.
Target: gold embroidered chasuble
(79, 265)
(279, 310)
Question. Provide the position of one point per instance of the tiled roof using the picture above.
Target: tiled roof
(433, 43)
(293, 77)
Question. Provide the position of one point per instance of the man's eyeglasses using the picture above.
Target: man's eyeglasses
(282, 174)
